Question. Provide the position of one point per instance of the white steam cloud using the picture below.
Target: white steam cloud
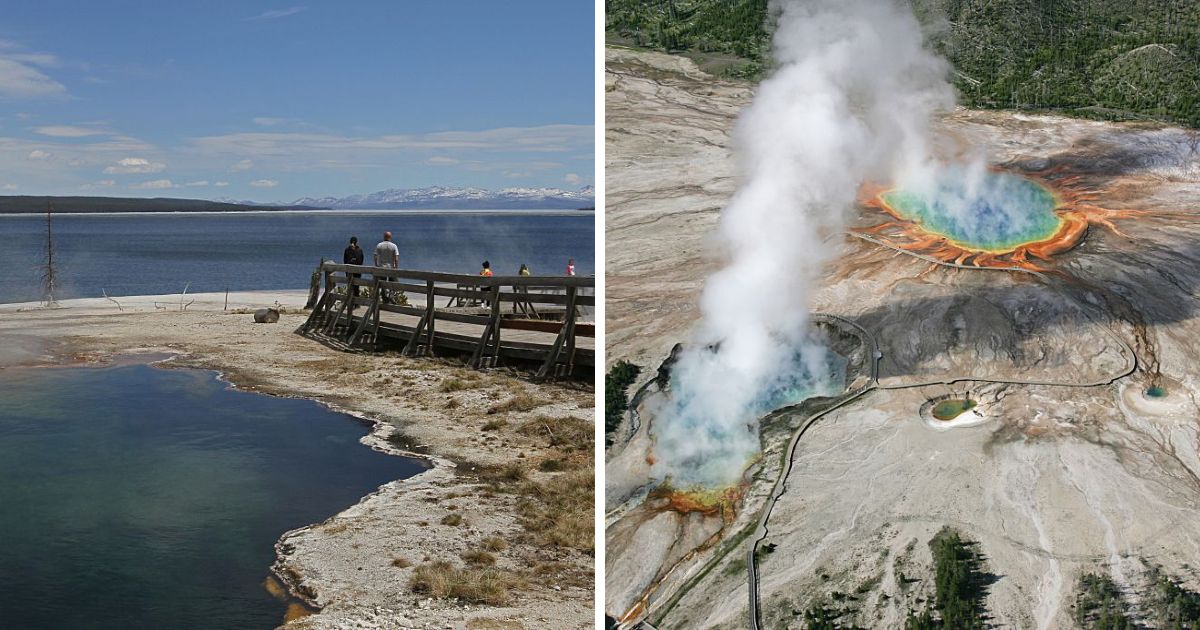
(850, 100)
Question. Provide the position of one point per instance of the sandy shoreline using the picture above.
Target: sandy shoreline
(357, 565)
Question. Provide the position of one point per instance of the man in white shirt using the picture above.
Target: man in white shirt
(387, 255)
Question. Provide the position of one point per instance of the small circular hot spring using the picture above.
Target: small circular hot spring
(951, 408)
(1156, 391)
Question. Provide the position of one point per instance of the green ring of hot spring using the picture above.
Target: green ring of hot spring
(999, 214)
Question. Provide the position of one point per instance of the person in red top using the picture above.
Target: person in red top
(570, 266)
(486, 272)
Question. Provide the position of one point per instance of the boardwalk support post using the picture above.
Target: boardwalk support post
(568, 328)
(372, 308)
(429, 304)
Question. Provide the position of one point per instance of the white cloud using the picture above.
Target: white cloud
(440, 160)
(203, 182)
(38, 154)
(221, 184)
(19, 78)
(273, 121)
(276, 14)
(45, 60)
(134, 165)
(69, 131)
(543, 139)
(573, 179)
(154, 184)
(264, 183)
(104, 183)
(243, 165)
(10, 187)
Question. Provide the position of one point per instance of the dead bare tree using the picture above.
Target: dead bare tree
(106, 296)
(49, 269)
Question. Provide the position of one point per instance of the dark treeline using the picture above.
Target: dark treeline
(35, 204)
(734, 27)
(616, 395)
(1117, 59)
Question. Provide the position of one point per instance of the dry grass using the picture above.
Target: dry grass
(569, 433)
(552, 465)
(401, 563)
(564, 574)
(495, 543)
(493, 425)
(571, 436)
(478, 586)
(453, 520)
(458, 384)
(336, 528)
(559, 512)
(502, 474)
(478, 558)
(520, 403)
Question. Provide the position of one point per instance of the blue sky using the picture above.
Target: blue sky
(275, 101)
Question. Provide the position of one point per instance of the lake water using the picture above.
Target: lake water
(153, 254)
(139, 497)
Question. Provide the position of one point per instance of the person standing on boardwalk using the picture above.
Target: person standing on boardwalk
(570, 266)
(486, 272)
(387, 255)
(524, 305)
(353, 256)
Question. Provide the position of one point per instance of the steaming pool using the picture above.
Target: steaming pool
(993, 212)
(142, 497)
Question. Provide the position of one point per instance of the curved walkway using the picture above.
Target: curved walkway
(761, 531)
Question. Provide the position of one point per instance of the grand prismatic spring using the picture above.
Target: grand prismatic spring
(989, 218)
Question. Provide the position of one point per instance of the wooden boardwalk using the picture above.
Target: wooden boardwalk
(542, 320)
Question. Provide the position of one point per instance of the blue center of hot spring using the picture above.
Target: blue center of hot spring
(995, 212)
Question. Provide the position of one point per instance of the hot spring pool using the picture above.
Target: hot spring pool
(139, 497)
(952, 408)
(994, 212)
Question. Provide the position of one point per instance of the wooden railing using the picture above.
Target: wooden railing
(542, 306)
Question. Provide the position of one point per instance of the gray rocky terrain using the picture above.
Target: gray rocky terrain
(1066, 466)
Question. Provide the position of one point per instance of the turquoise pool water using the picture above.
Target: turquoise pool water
(140, 497)
(998, 212)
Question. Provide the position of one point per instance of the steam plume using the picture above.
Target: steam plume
(850, 100)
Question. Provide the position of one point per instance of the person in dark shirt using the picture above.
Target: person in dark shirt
(353, 256)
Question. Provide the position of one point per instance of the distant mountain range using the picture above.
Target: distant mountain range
(448, 198)
(431, 198)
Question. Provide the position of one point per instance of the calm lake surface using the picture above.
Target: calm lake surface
(140, 497)
(154, 254)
